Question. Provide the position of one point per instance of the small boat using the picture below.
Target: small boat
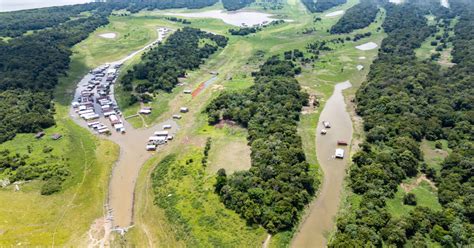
(324, 131)
(342, 143)
(326, 124)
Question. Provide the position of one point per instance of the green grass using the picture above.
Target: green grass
(425, 51)
(187, 196)
(30, 219)
(425, 197)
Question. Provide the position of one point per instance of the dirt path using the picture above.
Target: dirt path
(319, 220)
(407, 187)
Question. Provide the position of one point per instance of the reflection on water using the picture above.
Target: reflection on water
(239, 18)
(12, 5)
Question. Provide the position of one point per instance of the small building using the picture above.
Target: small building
(114, 119)
(151, 147)
(161, 133)
(38, 135)
(103, 130)
(118, 127)
(109, 113)
(91, 124)
(339, 153)
(56, 136)
(89, 117)
(145, 111)
(342, 143)
(326, 124)
(183, 110)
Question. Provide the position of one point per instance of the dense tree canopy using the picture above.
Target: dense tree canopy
(321, 5)
(404, 101)
(16, 23)
(30, 66)
(137, 5)
(160, 67)
(277, 187)
(359, 16)
(236, 4)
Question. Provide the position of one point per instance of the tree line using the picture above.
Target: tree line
(278, 186)
(162, 65)
(135, 6)
(236, 4)
(403, 101)
(357, 17)
(321, 5)
(16, 23)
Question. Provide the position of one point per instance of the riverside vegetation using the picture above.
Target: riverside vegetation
(404, 101)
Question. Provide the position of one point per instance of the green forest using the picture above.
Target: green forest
(404, 101)
(30, 66)
(161, 67)
(277, 187)
(359, 16)
(135, 6)
(321, 5)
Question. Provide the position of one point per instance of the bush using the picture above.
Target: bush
(51, 186)
(438, 145)
(409, 199)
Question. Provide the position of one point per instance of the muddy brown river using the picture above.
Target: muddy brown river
(132, 154)
(319, 221)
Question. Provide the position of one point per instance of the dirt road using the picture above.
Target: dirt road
(319, 220)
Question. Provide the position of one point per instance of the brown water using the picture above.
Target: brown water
(132, 154)
(319, 221)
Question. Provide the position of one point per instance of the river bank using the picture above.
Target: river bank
(320, 219)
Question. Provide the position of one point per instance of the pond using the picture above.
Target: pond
(237, 18)
(12, 5)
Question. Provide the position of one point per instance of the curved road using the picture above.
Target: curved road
(319, 221)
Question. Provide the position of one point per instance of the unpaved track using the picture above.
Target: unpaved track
(319, 220)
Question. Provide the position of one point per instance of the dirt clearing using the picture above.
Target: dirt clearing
(232, 156)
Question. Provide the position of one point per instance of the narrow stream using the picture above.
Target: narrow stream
(319, 221)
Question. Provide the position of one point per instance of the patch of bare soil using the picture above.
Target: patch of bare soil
(313, 104)
(232, 156)
(99, 233)
(407, 187)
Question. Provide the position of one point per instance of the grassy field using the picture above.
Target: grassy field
(426, 50)
(30, 219)
(425, 197)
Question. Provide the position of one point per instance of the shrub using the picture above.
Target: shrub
(409, 199)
